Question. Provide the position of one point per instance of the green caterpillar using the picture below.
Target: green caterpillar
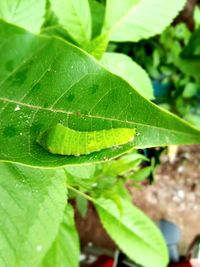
(65, 141)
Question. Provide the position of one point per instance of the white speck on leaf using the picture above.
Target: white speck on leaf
(17, 108)
(39, 248)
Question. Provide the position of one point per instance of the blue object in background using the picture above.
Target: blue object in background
(172, 235)
(161, 91)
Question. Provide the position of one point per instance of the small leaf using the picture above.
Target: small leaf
(123, 165)
(75, 17)
(133, 232)
(192, 50)
(189, 66)
(82, 171)
(97, 46)
(190, 90)
(26, 14)
(97, 12)
(197, 16)
(133, 20)
(82, 205)
(123, 66)
(141, 174)
(193, 118)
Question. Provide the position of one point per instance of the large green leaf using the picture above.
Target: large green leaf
(32, 203)
(27, 14)
(123, 66)
(75, 17)
(133, 232)
(64, 252)
(133, 20)
(50, 81)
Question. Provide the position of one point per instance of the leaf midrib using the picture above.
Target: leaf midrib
(95, 116)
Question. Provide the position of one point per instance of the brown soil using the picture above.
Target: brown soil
(175, 195)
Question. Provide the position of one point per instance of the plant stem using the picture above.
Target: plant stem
(80, 193)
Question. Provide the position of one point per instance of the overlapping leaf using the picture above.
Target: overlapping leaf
(133, 20)
(123, 66)
(75, 17)
(64, 251)
(133, 232)
(27, 14)
(32, 203)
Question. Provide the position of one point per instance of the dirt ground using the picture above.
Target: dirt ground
(175, 196)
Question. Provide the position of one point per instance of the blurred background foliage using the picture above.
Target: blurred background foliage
(172, 61)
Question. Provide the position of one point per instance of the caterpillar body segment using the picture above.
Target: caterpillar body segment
(65, 141)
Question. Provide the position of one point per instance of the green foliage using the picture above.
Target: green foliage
(125, 67)
(32, 205)
(53, 77)
(116, 211)
(26, 14)
(169, 60)
(97, 46)
(197, 16)
(97, 12)
(132, 231)
(99, 178)
(80, 100)
(192, 50)
(82, 205)
(141, 174)
(74, 16)
(133, 20)
(64, 251)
